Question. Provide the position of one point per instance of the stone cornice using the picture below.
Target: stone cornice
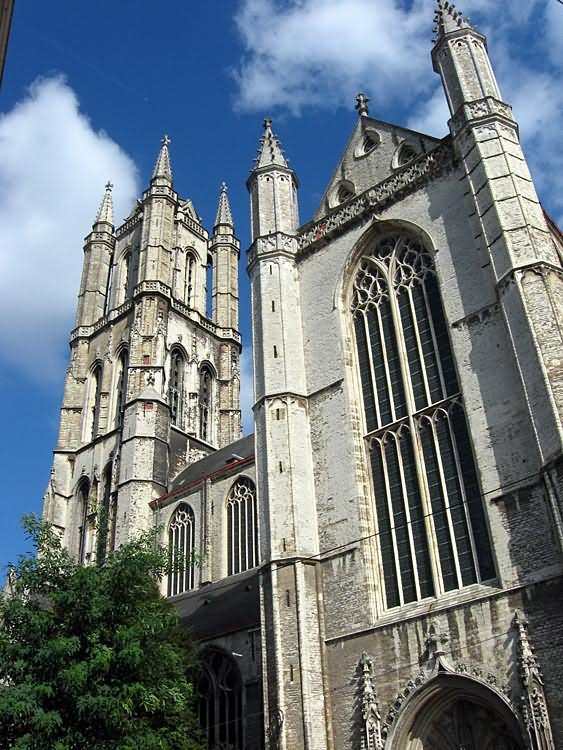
(481, 109)
(404, 181)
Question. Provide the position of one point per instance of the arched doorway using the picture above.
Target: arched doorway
(454, 712)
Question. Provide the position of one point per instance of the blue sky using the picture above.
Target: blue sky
(90, 88)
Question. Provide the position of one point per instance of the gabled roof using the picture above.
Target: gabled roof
(372, 154)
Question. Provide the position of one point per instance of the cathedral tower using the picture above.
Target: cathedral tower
(153, 382)
(291, 618)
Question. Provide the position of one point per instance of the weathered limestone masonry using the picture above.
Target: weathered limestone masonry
(290, 605)
(153, 383)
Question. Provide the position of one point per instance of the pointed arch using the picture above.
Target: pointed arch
(181, 549)
(206, 398)
(86, 496)
(452, 710)
(93, 399)
(190, 277)
(120, 392)
(432, 534)
(221, 699)
(242, 526)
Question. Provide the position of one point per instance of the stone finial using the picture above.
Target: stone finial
(223, 215)
(270, 151)
(448, 19)
(372, 735)
(162, 168)
(533, 705)
(105, 211)
(362, 105)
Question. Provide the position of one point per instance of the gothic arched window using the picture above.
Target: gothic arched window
(431, 526)
(205, 399)
(190, 279)
(407, 153)
(124, 277)
(242, 526)
(121, 386)
(87, 519)
(181, 547)
(220, 701)
(93, 398)
(105, 520)
(176, 387)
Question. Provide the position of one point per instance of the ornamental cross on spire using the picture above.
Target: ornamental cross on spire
(362, 104)
(165, 141)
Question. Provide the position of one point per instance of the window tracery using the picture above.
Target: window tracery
(242, 527)
(432, 532)
(181, 548)
(220, 701)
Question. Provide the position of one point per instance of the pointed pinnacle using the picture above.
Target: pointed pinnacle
(270, 150)
(224, 215)
(162, 167)
(448, 19)
(105, 211)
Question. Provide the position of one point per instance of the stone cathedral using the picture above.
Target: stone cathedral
(381, 561)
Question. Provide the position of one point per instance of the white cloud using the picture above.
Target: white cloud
(321, 52)
(247, 391)
(53, 167)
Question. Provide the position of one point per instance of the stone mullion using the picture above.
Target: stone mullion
(407, 515)
(461, 482)
(391, 512)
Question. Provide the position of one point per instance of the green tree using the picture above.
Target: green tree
(93, 658)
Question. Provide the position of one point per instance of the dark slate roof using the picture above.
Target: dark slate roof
(225, 606)
(240, 449)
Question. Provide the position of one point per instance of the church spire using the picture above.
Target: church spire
(224, 215)
(105, 211)
(270, 151)
(448, 19)
(162, 168)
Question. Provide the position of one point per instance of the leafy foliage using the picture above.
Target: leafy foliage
(93, 657)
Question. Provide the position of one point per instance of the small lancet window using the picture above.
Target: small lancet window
(176, 387)
(242, 527)
(93, 399)
(106, 519)
(87, 514)
(125, 275)
(121, 387)
(181, 548)
(407, 153)
(205, 398)
(190, 279)
(432, 534)
(344, 193)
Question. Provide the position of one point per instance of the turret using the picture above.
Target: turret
(273, 189)
(225, 250)
(284, 454)
(508, 220)
(460, 57)
(98, 249)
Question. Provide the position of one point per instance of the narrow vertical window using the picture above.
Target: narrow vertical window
(431, 526)
(176, 387)
(121, 387)
(125, 275)
(209, 288)
(87, 501)
(242, 527)
(93, 399)
(190, 280)
(181, 547)
(104, 520)
(205, 399)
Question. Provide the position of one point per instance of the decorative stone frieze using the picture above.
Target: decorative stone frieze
(404, 181)
(477, 110)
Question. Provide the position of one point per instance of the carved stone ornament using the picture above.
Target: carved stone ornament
(404, 181)
(533, 705)
(276, 724)
(371, 735)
